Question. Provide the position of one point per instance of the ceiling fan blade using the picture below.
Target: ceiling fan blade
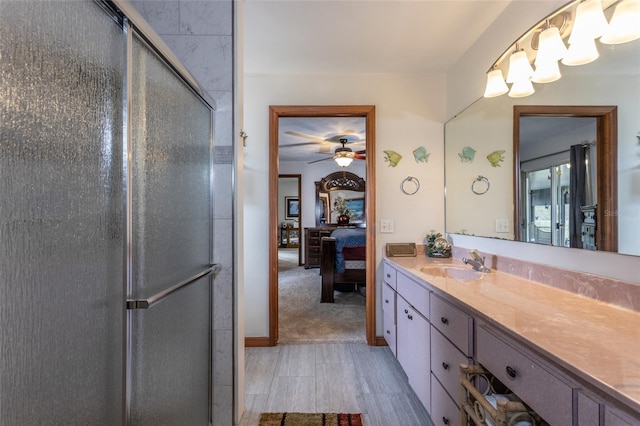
(323, 159)
(297, 144)
(325, 147)
(305, 136)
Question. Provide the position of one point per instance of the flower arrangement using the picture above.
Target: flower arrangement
(436, 245)
(340, 207)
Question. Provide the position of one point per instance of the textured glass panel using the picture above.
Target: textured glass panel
(61, 292)
(171, 130)
(171, 359)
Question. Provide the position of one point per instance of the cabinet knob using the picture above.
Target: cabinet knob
(388, 332)
(444, 320)
(406, 311)
(445, 365)
(410, 317)
(511, 372)
(445, 420)
(386, 300)
(388, 275)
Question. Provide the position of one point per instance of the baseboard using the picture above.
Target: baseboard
(380, 341)
(257, 342)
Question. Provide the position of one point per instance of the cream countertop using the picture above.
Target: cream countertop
(597, 341)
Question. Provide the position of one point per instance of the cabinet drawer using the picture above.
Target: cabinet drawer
(313, 241)
(389, 275)
(313, 250)
(444, 411)
(414, 293)
(550, 397)
(389, 302)
(453, 323)
(389, 325)
(445, 363)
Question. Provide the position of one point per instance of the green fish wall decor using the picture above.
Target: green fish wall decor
(421, 155)
(467, 155)
(496, 157)
(392, 157)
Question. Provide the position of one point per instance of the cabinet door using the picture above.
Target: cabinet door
(588, 411)
(613, 417)
(412, 345)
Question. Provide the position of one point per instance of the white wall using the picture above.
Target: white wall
(410, 111)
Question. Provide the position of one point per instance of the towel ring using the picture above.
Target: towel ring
(412, 182)
(480, 185)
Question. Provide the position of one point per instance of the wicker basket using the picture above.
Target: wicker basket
(476, 384)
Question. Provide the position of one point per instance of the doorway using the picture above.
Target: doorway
(275, 113)
(290, 216)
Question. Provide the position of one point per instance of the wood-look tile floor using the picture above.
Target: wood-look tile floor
(330, 377)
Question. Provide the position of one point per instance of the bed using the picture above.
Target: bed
(342, 261)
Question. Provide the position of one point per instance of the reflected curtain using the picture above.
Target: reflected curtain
(577, 192)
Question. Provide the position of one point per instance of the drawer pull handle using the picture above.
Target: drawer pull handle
(445, 420)
(444, 320)
(445, 365)
(410, 317)
(511, 372)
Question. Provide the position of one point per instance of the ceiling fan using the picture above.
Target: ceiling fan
(344, 155)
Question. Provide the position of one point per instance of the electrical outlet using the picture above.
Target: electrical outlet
(386, 226)
(502, 226)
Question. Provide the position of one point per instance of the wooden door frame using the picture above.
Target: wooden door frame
(607, 164)
(299, 178)
(367, 111)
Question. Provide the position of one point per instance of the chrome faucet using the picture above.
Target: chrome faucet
(477, 262)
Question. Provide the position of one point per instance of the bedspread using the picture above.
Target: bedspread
(348, 237)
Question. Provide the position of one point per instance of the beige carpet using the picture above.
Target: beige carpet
(303, 319)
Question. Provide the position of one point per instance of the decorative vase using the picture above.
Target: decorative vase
(343, 220)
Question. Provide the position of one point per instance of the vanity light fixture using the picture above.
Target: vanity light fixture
(496, 85)
(589, 24)
(625, 23)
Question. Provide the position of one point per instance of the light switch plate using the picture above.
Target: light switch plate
(386, 226)
(502, 225)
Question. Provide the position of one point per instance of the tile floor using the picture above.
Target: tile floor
(330, 377)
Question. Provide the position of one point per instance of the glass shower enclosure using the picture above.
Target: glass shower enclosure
(105, 222)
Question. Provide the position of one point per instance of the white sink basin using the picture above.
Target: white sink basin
(452, 272)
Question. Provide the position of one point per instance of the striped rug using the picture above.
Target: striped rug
(310, 419)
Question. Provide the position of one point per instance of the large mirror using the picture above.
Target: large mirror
(336, 188)
(484, 169)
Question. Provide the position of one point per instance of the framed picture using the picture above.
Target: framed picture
(291, 208)
(356, 207)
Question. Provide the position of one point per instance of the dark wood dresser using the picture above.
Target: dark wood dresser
(312, 237)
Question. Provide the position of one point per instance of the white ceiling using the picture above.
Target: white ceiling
(362, 36)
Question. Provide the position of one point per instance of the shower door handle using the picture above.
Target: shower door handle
(158, 297)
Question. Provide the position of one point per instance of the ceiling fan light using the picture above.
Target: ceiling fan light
(551, 46)
(519, 67)
(522, 88)
(590, 22)
(344, 156)
(625, 23)
(581, 53)
(495, 84)
(546, 72)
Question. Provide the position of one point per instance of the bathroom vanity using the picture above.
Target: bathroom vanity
(571, 359)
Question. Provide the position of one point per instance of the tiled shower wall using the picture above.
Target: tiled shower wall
(200, 35)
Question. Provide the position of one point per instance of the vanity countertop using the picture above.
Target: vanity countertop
(596, 341)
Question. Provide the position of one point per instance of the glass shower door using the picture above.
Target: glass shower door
(170, 229)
